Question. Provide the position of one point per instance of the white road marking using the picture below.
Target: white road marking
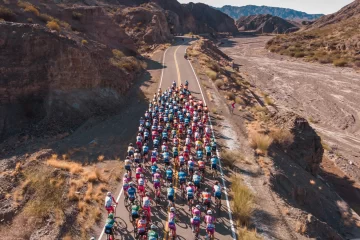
(233, 232)
(121, 191)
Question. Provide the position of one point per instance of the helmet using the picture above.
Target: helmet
(130, 144)
(209, 212)
(153, 226)
(139, 165)
(147, 194)
(145, 144)
(141, 175)
(170, 185)
(92, 238)
(136, 150)
(158, 170)
(108, 194)
(132, 184)
(196, 172)
(198, 207)
(155, 149)
(172, 209)
(126, 175)
(206, 189)
(216, 182)
(111, 215)
(141, 118)
(169, 167)
(154, 164)
(191, 184)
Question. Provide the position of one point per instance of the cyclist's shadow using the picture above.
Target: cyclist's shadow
(121, 230)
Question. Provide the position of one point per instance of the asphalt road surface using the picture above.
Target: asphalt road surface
(178, 69)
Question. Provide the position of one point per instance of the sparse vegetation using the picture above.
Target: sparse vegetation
(268, 101)
(340, 62)
(230, 96)
(32, 9)
(65, 165)
(248, 234)
(229, 158)
(243, 201)
(283, 137)
(219, 83)
(84, 42)
(239, 100)
(76, 15)
(6, 13)
(45, 17)
(211, 74)
(260, 142)
(53, 26)
(117, 53)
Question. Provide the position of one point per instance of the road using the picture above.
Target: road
(178, 69)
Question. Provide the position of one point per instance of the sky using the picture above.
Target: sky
(308, 6)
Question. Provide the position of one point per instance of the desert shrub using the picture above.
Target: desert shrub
(32, 9)
(248, 234)
(129, 64)
(340, 62)
(243, 201)
(84, 42)
(53, 26)
(260, 141)
(324, 59)
(6, 13)
(229, 158)
(230, 96)
(213, 65)
(76, 15)
(65, 165)
(283, 137)
(299, 55)
(219, 83)
(211, 74)
(117, 53)
(30, 20)
(239, 100)
(23, 4)
(268, 101)
(45, 17)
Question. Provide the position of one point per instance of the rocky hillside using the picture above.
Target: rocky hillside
(333, 39)
(285, 13)
(265, 24)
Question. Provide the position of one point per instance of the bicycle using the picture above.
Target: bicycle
(218, 205)
(214, 173)
(157, 198)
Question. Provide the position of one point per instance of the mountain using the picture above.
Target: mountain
(265, 24)
(285, 13)
(333, 38)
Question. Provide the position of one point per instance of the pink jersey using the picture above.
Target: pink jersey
(139, 170)
(209, 219)
(157, 176)
(196, 211)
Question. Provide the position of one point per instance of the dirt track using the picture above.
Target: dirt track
(327, 96)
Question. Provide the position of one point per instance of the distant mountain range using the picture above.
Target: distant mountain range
(285, 13)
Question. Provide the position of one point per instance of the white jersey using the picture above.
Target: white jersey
(141, 182)
(137, 156)
(146, 202)
(128, 162)
(217, 188)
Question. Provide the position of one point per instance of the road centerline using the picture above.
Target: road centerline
(177, 66)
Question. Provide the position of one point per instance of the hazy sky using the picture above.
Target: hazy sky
(309, 6)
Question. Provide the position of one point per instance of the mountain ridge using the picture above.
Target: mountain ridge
(285, 13)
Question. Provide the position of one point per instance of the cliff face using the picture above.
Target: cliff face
(46, 78)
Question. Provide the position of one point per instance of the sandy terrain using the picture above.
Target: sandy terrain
(327, 96)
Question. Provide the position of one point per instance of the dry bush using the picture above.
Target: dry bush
(32, 9)
(230, 158)
(118, 54)
(45, 17)
(259, 108)
(243, 201)
(268, 101)
(219, 83)
(230, 96)
(260, 141)
(248, 234)
(23, 4)
(73, 193)
(213, 65)
(211, 74)
(340, 62)
(29, 20)
(53, 25)
(214, 111)
(239, 100)
(283, 137)
(88, 193)
(130, 64)
(6, 13)
(84, 42)
(101, 158)
(65, 165)
(76, 15)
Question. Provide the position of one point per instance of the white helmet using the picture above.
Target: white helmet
(172, 209)
(141, 175)
(198, 207)
(209, 212)
(108, 194)
(126, 175)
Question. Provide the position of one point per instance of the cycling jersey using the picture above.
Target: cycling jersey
(141, 182)
(182, 175)
(214, 160)
(189, 191)
(166, 157)
(138, 138)
(131, 192)
(208, 149)
(196, 179)
(141, 225)
(135, 210)
(146, 202)
(170, 192)
(169, 173)
(206, 196)
(191, 164)
(152, 235)
(201, 164)
(145, 149)
(153, 169)
(199, 154)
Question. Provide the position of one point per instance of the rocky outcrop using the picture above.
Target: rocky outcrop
(265, 24)
(147, 23)
(48, 78)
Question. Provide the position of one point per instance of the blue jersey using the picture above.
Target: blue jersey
(166, 156)
(170, 192)
(214, 160)
(199, 154)
(145, 149)
(164, 134)
(154, 168)
(182, 175)
(207, 148)
(131, 191)
(169, 173)
(196, 178)
(191, 164)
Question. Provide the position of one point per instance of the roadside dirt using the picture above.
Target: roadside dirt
(327, 96)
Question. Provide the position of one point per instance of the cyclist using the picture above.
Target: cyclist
(191, 165)
(182, 176)
(166, 158)
(196, 179)
(146, 203)
(154, 155)
(201, 165)
(145, 150)
(152, 234)
(208, 151)
(131, 150)
(213, 145)
(157, 179)
(217, 190)
(171, 220)
(109, 225)
(142, 225)
(196, 218)
(127, 164)
(132, 192)
(181, 160)
(164, 147)
(209, 220)
(199, 154)
(175, 151)
(190, 193)
(137, 156)
(141, 184)
(156, 142)
(139, 139)
(154, 167)
(206, 198)
(214, 161)
(109, 199)
(170, 194)
(169, 174)
(139, 170)
(126, 185)
(135, 213)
